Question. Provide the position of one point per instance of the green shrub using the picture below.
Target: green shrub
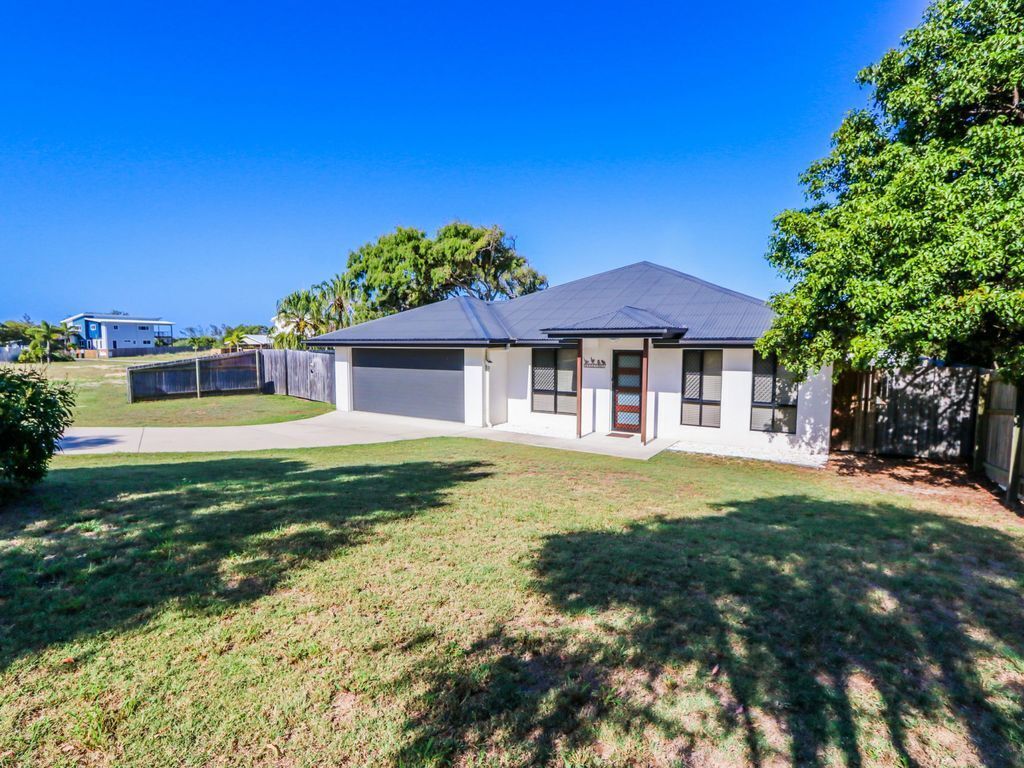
(34, 412)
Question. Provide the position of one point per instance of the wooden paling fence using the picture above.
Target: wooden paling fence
(929, 412)
(960, 413)
(999, 439)
(297, 373)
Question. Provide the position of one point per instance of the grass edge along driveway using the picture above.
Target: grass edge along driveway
(461, 602)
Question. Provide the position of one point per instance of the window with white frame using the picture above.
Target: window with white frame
(553, 389)
(773, 407)
(702, 388)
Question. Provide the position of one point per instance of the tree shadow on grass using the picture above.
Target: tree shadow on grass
(786, 609)
(112, 546)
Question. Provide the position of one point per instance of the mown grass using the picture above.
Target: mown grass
(457, 602)
(101, 400)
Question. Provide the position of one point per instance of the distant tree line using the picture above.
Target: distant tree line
(406, 269)
(41, 342)
(230, 336)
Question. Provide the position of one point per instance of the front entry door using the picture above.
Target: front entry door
(626, 391)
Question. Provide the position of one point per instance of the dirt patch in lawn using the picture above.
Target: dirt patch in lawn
(952, 482)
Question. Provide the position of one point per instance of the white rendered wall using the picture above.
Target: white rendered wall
(343, 378)
(473, 381)
(734, 436)
(127, 335)
(497, 385)
(664, 392)
(520, 416)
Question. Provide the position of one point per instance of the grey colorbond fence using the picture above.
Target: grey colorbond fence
(298, 373)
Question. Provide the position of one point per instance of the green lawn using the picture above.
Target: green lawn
(102, 401)
(459, 602)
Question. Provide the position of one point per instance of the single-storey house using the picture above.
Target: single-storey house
(641, 351)
(256, 341)
(113, 335)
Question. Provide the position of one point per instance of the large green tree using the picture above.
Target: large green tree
(406, 268)
(912, 243)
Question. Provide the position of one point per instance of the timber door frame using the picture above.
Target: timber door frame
(616, 389)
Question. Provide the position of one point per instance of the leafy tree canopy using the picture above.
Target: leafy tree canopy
(405, 269)
(15, 331)
(912, 243)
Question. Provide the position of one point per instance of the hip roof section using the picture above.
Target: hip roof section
(634, 298)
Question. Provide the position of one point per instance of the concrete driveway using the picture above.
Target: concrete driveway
(335, 428)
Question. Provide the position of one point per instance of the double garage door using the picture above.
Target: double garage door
(427, 383)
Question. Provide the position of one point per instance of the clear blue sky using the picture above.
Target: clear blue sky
(197, 163)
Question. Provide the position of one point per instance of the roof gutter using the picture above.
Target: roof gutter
(702, 343)
(440, 343)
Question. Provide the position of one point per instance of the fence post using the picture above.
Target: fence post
(259, 384)
(285, 371)
(199, 385)
(981, 421)
(128, 382)
(1016, 446)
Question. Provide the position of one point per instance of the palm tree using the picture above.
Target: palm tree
(234, 338)
(285, 339)
(300, 313)
(67, 331)
(46, 336)
(337, 299)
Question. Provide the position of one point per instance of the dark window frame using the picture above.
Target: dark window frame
(774, 404)
(699, 400)
(556, 392)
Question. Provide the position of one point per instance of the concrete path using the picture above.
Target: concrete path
(335, 428)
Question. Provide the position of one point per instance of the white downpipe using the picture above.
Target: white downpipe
(487, 388)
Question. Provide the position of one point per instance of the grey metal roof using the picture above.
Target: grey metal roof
(624, 299)
(628, 321)
(463, 319)
(105, 316)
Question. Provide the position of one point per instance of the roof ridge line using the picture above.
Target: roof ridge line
(470, 312)
(708, 283)
(575, 280)
(493, 311)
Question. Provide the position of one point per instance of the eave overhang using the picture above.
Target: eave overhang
(319, 342)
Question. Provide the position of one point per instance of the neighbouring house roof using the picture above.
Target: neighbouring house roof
(256, 339)
(107, 317)
(641, 299)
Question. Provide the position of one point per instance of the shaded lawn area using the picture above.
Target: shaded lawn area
(459, 602)
(101, 400)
